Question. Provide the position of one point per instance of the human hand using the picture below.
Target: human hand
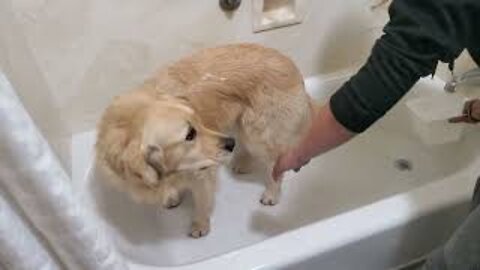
(289, 161)
(470, 113)
(325, 133)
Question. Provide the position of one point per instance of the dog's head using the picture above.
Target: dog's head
(174, 140)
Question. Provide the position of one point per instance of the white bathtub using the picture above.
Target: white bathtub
(349, 209)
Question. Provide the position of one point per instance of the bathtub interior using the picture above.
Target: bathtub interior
(388, 159)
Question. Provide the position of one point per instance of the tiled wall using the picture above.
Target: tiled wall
(88, 51)
(68, 58)
(26, 76)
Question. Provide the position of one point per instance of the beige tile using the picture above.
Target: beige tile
(88, 51)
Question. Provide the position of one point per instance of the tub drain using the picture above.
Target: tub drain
(403, 165)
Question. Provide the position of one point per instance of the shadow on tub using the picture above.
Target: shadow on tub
(350, 177)
(137, 223)
(358, 174)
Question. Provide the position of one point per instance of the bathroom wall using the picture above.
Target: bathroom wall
(88, 51)
(462, 64)
(16, 61)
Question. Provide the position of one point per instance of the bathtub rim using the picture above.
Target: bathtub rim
(320, 237)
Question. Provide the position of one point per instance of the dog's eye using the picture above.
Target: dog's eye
(192, 133)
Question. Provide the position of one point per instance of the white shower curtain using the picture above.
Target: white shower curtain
(42, 224)
(17, 242)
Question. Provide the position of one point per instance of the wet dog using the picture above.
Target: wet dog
(171, 134)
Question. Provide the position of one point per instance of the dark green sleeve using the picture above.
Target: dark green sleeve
(420, 33)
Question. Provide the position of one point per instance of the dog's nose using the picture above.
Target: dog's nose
(229, 144)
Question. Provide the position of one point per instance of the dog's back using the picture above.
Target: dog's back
(252, 92)
(254, 87)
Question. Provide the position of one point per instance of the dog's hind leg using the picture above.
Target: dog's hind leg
(271, 195)
(265, 152)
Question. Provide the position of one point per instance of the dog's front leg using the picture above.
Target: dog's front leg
(171, 198)
(242, 162)
(203, 191)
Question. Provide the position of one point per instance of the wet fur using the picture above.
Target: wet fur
(250, 92)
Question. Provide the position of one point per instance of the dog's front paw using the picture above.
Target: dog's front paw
(270, 198)
(199, 229)
(150, 178)
(240, 170)
(241, 165)
(172, 200)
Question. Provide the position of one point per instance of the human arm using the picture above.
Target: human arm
(420, 33)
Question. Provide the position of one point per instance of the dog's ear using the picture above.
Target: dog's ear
(154, 158)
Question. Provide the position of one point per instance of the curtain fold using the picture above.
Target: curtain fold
(35, 179)
(20, 249)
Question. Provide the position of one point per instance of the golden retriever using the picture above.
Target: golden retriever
(171, 134)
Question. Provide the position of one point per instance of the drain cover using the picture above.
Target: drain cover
(402, 164)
